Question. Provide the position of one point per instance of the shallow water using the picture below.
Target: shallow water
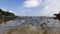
(39, 22)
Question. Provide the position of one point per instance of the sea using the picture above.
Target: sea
(38, 21)
(31, 25)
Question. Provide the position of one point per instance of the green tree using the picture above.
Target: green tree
(7, 14)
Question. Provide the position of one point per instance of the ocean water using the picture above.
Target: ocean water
(43, 22)
(31, 25)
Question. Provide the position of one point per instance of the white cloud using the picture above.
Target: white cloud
(11, 11)
(50, 6)
(22, 13)
(3, 9)
(50, 9)
(31, 3)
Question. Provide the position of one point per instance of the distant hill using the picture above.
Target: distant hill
(5, 13)
(6, 16)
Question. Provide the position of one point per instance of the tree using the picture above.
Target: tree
(57, 16)
(6, 13)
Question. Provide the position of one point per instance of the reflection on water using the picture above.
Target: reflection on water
(38, 23)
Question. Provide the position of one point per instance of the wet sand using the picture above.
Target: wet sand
(29, 30)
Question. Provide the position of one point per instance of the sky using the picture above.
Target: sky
(31, 7)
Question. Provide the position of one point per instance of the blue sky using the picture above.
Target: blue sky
(11, 4)
(31, 7)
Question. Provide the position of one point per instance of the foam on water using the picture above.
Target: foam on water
(45, 22)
